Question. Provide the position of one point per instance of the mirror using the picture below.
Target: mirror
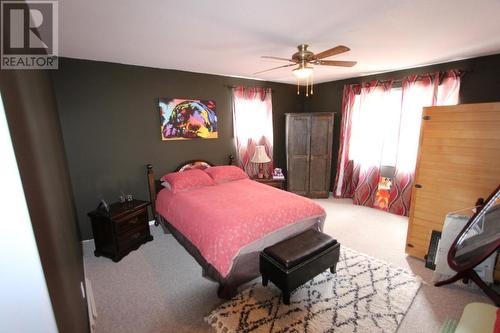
(480, 236)
(477, 241)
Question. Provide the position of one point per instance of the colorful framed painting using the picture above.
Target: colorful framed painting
(183, 119)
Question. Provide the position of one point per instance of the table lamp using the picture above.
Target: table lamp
(260, 157)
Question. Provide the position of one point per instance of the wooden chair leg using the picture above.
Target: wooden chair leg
(487, 290)
(471, 274)
(454, 278)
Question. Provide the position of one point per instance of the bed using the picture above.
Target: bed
(225, 226)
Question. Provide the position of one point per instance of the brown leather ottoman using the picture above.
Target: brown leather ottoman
(294, 261)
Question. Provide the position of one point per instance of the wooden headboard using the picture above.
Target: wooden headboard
(154, 185)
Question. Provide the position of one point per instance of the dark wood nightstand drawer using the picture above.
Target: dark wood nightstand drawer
(131, 221)
(133, 237)
(278, 183)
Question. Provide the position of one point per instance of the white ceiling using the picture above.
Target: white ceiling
(228, 37)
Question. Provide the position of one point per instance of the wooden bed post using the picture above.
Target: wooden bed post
(152, 190)
(231, 159)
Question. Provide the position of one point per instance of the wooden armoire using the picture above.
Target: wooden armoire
(458, 162)
(309, 153)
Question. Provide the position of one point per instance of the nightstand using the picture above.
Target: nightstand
(278, 183)
(123, 229)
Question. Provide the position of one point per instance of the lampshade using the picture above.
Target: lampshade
(303, 72)
(260, 155)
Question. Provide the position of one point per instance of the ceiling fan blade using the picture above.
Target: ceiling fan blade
(335, 63)
(333, 51)
(278, 58)
(270, 69)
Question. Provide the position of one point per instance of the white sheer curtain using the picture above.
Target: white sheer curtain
(375, 128)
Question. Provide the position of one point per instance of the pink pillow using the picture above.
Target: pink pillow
(187, 180)
(226, 173)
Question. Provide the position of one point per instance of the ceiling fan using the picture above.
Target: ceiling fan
(304, 57)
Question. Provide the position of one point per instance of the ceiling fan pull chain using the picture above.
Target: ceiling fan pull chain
(298, 87)
(307, 86)
(312, 83)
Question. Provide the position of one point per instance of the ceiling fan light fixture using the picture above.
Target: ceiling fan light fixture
(303, 72)
(303, 57)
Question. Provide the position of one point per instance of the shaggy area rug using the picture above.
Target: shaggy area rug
(365, 295)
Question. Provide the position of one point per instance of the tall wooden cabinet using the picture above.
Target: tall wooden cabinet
(309, 153)
(458, 162)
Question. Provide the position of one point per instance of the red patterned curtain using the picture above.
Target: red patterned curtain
(342, 186)
(253, 125)
(418, 92)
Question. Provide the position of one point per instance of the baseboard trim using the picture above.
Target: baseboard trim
(91, 307)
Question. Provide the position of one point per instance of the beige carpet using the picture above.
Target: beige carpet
(159, 287)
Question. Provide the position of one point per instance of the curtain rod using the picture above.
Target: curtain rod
(231, 87)
(462, 73)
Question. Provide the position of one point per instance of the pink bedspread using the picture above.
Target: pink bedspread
(220, 220)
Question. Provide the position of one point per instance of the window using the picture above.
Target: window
(375, 128)
(253, 126)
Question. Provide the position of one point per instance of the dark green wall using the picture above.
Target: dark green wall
(480, 84)
(111, 125)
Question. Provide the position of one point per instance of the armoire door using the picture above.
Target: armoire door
(320, 155)
(298, 144)
(458, 162)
